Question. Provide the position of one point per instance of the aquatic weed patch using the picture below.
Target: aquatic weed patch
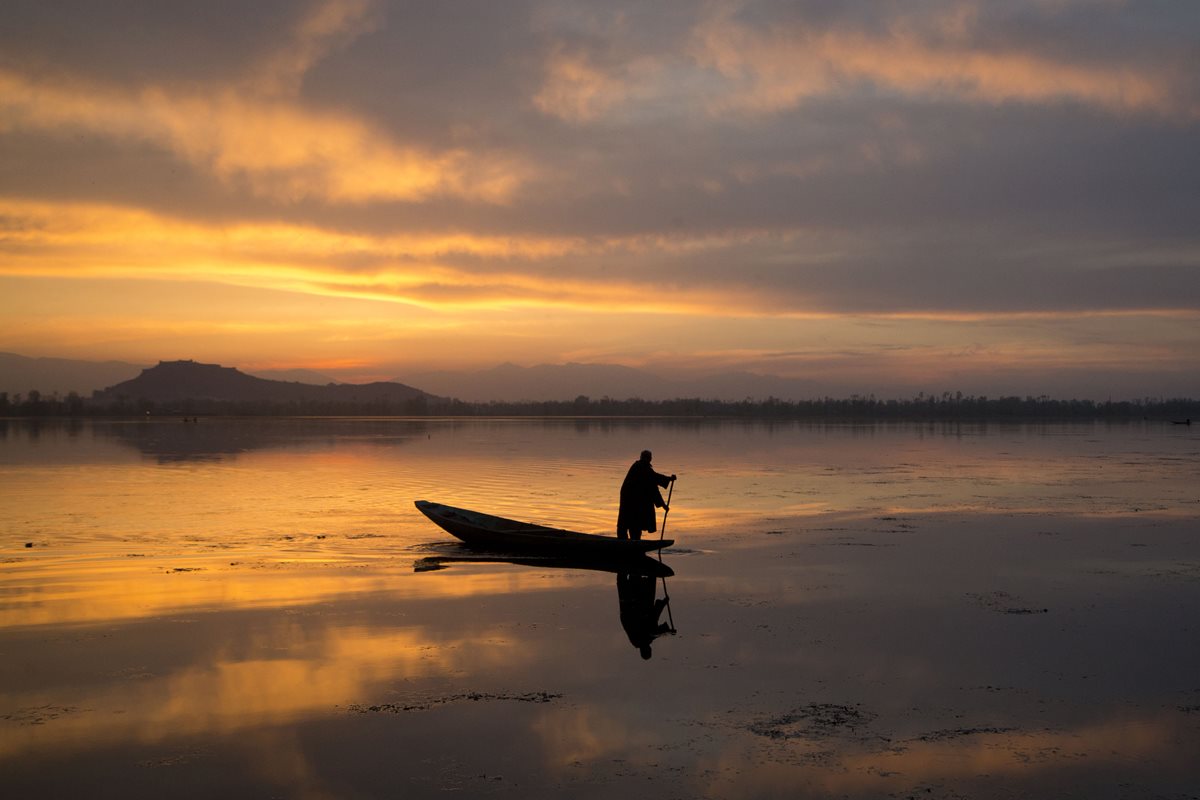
(958, 733)
(427, 704)
(39, 715)
(1004, 603)
(814, 721)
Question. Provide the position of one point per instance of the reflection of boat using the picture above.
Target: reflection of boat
(633, 565)
(508, 535)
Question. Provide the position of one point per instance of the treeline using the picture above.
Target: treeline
(923, 407)
(946, 406)
(36, 405)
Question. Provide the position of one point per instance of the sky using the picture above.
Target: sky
(880, 197)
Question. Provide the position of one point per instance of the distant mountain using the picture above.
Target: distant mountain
(512, 383)
(20, 374)
(178, 381)
(294, 376)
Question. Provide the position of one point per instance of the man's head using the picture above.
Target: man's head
(646, 456)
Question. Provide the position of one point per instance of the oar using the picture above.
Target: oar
(670, 492)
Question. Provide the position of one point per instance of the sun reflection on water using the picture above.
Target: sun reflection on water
(247, 584)
(308, 673)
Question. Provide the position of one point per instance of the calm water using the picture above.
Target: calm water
(250, 607)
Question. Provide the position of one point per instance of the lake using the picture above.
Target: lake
(253, 607)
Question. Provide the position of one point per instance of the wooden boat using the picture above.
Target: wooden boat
(489, 532)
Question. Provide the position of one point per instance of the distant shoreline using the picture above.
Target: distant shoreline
(943, 408)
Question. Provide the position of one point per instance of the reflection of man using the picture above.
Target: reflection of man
(640, 610)
(639, 497)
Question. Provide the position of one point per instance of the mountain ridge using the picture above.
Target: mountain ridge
(504, 382)
(21, 374)
(180, 381)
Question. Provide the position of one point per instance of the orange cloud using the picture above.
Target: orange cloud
(778, 69)
(283, 69)
(766, 71)
(258, 133)
(277, 148)
(577, 90)
(142, 282)
(76, 240)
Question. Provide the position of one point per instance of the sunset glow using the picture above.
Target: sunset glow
(985, 198)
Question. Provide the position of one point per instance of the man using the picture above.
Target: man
(639, 497)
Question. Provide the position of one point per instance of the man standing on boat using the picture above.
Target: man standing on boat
(639, 497)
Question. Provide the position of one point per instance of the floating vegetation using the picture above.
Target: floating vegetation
(1004, 603)
(814, 721)
(425, 705)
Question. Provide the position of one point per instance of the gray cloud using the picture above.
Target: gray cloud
(923, 193)
(141, 40)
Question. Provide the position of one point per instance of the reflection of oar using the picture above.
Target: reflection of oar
(667, 597)
(662, 533)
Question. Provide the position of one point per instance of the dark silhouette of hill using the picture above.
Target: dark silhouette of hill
(179, 382)
(187, 388)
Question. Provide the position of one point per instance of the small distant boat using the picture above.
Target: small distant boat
(490, 532)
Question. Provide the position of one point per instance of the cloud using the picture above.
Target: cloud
(323, 27)
(733, 66)
(577, 91)
(116, 243)
(781, 67)
(276, 149)
(939, 162)
(800, 275)
(258, 134)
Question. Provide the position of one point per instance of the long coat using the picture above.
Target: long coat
(640, 496)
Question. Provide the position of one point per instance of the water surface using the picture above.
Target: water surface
(246, 607)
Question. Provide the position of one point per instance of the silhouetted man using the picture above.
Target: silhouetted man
(639, 497)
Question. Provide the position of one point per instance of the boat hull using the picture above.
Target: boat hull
(489, 532)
